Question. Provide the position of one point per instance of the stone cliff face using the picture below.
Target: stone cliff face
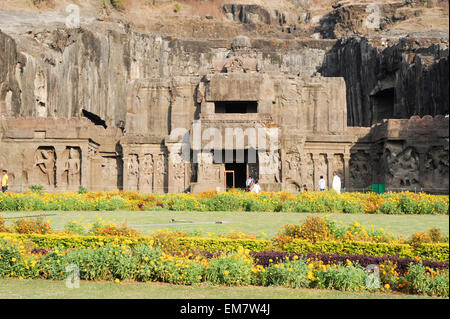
(391, 80)
(124, 86)
(60, 73)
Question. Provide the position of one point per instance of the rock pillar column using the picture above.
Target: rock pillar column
(315, 158)
(347, 170)
(59, 165)
(330, 158)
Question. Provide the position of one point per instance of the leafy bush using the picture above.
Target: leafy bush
(3, 227)
(314, 229)
(420, 281)
(38, 189)
(346, 278)
(389, 208)
(112, 230)
(230, 269)
(31, 226)
(293, 274)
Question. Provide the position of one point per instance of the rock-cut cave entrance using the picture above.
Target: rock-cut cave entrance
(383, 104)
(237, 171)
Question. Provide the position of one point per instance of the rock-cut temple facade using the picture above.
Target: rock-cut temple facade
(210, 132)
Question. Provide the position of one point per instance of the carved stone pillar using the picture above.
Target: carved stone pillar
(85, 165)
(125, 172)
(59, 163)
(330, 158)
(422, 157)
(315, 158)
(346, 170)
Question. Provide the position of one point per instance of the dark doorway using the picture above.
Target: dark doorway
(236, 107)
(383, 104)
(240, 175)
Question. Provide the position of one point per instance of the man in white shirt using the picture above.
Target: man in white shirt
(322, 184)
(336, 183)
(256, 188)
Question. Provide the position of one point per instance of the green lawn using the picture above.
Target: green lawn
(247, 222)
(47, 289)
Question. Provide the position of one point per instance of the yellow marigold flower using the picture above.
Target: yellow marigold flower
(117, 280)
(13, 259)
(387, 286)
(226, 272)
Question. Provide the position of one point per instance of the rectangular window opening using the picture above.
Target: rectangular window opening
(240, 107)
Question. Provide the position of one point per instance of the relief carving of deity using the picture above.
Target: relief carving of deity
(72, 167)
(133, 172)
(44, 162)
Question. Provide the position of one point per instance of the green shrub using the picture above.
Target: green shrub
(230, 269)
(38, 189)
(389, 208)
(75, 228)
(292, 274)
(346, 278)
(353, 208)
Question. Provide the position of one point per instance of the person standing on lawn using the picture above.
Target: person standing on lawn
(256, 188)
(322, 184)
(4, 180)
(336, 183)
(249, 182)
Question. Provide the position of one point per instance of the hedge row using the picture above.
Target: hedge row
(438, 252)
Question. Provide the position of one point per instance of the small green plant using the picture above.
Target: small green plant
(176, 7)
(38, 189)
(82, 190)
(75, 228)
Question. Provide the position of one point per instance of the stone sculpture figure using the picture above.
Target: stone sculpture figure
(359, 169)
(73, 168)
(133, 172)
(147, 171)
(160, 172)
(45, 161)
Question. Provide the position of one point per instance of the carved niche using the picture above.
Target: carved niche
(207, 170)
(307, 170)
(133, 171)
(360, 170)
(146, 181)
(269, 166)
(110, 169)
(292, 173)
(71, 159)
(322, 167)
(436, 167)
(160, 173)
(402, 168)
(44, 167)
(338, 166)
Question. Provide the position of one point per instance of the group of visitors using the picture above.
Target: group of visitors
(4, 180)
(336, 185)
(252, 185)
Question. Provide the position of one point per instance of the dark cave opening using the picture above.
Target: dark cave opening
(383, 104)
(94, 118)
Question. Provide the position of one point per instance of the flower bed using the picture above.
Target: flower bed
(315, 202)
(144, 262)
(437, 251)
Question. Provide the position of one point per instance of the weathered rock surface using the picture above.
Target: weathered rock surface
(391, 79)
